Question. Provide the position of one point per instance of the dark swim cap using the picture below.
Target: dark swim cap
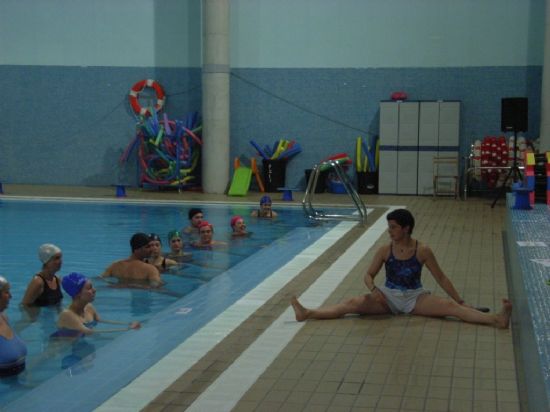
(154, 236)
(192, 212)
(139, 240)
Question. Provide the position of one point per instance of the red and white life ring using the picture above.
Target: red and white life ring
(138, 88)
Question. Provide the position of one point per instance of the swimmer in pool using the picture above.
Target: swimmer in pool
(13, 350)
(44, 289)
(265, 209)
(238, 226)
(195, 216)
(206, 241)
(81, 316)
(176, 247)
(156, 258)
(402, 291)
(134, 268)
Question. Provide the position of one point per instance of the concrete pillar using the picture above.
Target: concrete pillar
(545, 92)
(215, 95)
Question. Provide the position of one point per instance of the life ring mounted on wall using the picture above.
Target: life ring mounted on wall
(138, 88)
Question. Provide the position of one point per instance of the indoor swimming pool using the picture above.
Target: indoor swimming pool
(91, 236)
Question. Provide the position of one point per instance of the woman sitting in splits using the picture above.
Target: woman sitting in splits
(402, 291)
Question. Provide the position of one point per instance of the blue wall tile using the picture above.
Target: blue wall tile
(69, 125)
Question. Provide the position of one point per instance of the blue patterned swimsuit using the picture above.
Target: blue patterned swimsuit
(403, 274)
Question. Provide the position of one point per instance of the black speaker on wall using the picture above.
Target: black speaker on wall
(513, 115)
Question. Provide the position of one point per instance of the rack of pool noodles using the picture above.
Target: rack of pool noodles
(370, 160)
(281, 149)
(168, 150)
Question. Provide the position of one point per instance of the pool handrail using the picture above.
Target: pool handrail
(314, 214)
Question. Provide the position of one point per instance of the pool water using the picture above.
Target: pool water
(92, 235)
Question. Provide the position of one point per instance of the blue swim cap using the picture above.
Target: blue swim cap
(265, 199)
(73, 283)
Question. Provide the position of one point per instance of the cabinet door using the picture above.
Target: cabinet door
(407, 152)
(449, 121)
(389, 129)
(428, 137)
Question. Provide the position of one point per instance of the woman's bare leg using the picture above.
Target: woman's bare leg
(429, 305)
(360, 305)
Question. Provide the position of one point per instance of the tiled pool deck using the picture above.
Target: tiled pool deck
(270, 362)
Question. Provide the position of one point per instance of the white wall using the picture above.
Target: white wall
(275, 33)
(386, 33)
(128, 33)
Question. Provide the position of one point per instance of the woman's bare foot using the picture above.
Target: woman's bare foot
(503, 317)
(300, 312)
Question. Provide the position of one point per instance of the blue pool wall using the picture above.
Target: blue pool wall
(314, 71)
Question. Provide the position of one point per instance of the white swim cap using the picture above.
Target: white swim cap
(47, 251)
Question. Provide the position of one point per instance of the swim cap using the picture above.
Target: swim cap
(205, 223)
(154, 236)
(73, 283)
(193, 212)
(265, 199)
(172, 234)
(3, 282)
(47, 251)
(139, 240)
(235, 219)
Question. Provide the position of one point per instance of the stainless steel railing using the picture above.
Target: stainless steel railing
(307, 202)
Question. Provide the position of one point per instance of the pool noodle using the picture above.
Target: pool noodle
(280, 149)
(274, 147)
(370, 156)
(159, 136)
(129, 149)
(167, 124)
(358, 154)
(291, 152)
(259, 149)
(193, 135)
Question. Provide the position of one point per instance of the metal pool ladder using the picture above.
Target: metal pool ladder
(314, 214)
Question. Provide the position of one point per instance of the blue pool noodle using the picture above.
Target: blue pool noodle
(372, 166)
(259, 149)
(294, 150)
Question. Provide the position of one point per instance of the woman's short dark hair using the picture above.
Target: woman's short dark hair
(403, 218)
(192, 212)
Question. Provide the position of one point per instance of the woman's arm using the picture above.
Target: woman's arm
(375, 266)
(34, 289)
(431, 263)
(129, 325)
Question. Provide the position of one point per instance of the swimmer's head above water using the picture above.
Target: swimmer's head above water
(195, 217)
(47, 251)
(73, 283)
(237, 224)
(138, 241)
(3, 283)
(154, 237)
